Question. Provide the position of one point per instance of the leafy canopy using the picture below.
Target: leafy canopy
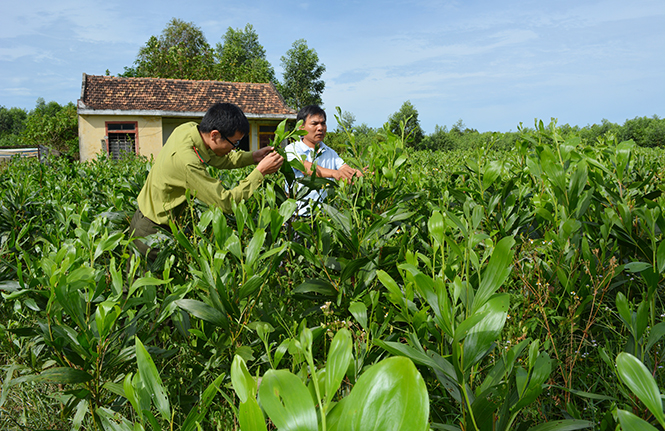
(409, 114)
(241, 58)
(53, 126)
(180, 52)
(302, 76)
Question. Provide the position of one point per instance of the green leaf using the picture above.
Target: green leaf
(340, 220)
(287, 209)
(130, 394)
(304, 252)
(182, 240)
(339, 358)
(491, 172)
(564, 425)
(108, 244)
(254, 247)
(251, 417)
(359, 311)
(624, 311)
(496, 272)
(287, 402)
(243, 383)
(62, 375)
(111, 421)
(390, 395)
(146, 281)
(250, 286)
(436, 228)
(322, 287)
(204, 312)
(81, 410)
(233, 245)
(150, 378)
(655, 335)
(482, 336)
(660, 255)
(534, 386)
(395, 293)
(637, 266)
(200, 410)
(639, 380)
(630, 422)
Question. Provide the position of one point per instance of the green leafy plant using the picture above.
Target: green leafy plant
(389, 395)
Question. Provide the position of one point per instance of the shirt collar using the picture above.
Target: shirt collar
(306, 148)
(205, 153)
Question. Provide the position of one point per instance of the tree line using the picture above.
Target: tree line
(644, 131)
(49, 124)
(183, 52)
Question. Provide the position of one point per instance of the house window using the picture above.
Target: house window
(122, 139)
(244, 143)
(266, 133)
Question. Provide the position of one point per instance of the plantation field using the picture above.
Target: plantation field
(480, 289)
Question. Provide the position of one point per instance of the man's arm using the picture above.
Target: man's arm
(345, 172)
(211, 191)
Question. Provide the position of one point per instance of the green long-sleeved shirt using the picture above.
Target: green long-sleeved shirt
(178, 168)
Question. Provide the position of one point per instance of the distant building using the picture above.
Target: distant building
(138, 115)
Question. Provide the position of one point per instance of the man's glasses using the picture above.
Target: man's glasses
(234, 144)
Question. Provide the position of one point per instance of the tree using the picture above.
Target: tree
(408, 114)
(302, 76)
(12, 123)
(180, 52)
(53, 126)
(241, 58)
(440, 140)
(346, 121)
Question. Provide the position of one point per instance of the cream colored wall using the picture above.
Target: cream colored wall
(152, 133)
(253, 136)
(92, 130)
(90, 136)
(150, 136)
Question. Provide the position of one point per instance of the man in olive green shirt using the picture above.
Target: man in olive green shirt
(181, 166)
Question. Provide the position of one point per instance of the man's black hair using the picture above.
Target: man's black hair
(226, 118)
(308, 110)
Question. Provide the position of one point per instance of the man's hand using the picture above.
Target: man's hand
(270, 161)
(259, 154)
(346, 172)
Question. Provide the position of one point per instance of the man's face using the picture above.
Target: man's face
(315, 126)
(222, 145)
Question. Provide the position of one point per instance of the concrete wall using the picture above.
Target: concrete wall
(92, 131)
(152, 133)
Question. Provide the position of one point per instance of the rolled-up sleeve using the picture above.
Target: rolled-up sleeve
(211, 191)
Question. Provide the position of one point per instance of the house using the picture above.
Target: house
(138, 115)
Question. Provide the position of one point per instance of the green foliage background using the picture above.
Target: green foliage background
(525, 284)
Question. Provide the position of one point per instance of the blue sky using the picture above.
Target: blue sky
(492, 64)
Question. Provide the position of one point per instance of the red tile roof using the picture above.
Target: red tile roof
(179, 95)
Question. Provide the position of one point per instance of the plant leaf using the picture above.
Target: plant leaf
(251, 417)
(630, 422)
(62, 375)
(339, 358)
(201, 408)
(640, 381)
(287, 402)
(204, 312)
(243, 383)
(564, 425)
(390, 395)
(496, 272)
(150, 378)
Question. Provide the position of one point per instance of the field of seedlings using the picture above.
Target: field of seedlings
(472, 290)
